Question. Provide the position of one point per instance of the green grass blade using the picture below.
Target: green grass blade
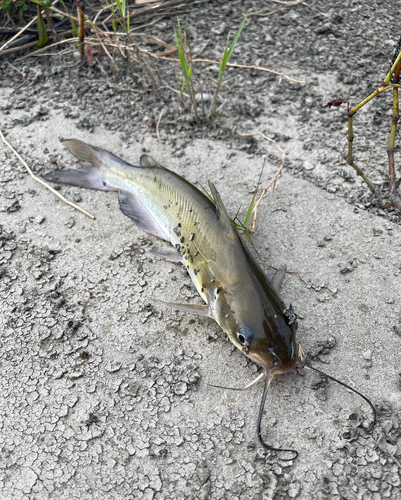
(127, 17)
(74, 26)
(187, 71)
(229, 50)
(248, 235)
(206, 192)
(41, 29)
(223, 61)
(249, 212)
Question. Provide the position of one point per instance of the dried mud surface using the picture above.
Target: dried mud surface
(103, 394)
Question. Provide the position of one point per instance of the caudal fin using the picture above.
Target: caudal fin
(90, 175)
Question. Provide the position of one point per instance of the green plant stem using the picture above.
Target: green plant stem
(391, 145)
(393, 69)
(350, 160)
(351, 112)
(378, 91)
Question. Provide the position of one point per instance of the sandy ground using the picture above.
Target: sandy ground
(104, 395)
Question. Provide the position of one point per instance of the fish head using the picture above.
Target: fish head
(271, 341)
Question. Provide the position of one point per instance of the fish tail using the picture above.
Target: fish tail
(90, 175)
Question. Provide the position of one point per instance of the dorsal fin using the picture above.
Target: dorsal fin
(84, 152)
(148, 161)
(221, 211)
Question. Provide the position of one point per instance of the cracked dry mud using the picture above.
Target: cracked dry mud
(104, 395)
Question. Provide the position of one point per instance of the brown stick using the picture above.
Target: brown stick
(233, 65)
(81, 16)
(41, 181)
(29, 45)
(2, 48)
(391, 145)
(272, 182)
(138, 13)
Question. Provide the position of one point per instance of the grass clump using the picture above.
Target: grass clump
(195, 86)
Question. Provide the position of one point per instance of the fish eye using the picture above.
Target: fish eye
(245, 335)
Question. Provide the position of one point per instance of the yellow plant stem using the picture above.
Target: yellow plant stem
(351, 112)
(391, 145)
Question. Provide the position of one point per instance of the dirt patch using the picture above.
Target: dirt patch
(104, 394)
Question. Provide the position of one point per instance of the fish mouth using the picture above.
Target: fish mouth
(274, 362)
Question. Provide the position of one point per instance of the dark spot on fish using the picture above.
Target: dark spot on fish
(196, 253)
(190, 210)
(177, 231)
(226, 315)
(212, 280)
(165, 206)
(195, 270)
(194, 223)
(182, 239)
(202, 289)
(192, 236)
(179, 224)
(177, 247)
(218, 290)
(188, 250)
(176, 202)
(190, 259)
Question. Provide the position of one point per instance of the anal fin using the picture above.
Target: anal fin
(202, 310)
(169, 254)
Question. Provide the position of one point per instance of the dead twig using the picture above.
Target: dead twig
(273, 181)
(81, 29)
(6, 44)
(265, 11)
(158, 122)
(29, 45)
(41, 181)
(232, 65)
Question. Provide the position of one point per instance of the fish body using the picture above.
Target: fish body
(236, 291)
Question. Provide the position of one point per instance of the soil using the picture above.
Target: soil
(105, 394)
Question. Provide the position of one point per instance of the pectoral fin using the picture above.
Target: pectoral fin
(169, 254)
(203, 310)
(133, 208)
